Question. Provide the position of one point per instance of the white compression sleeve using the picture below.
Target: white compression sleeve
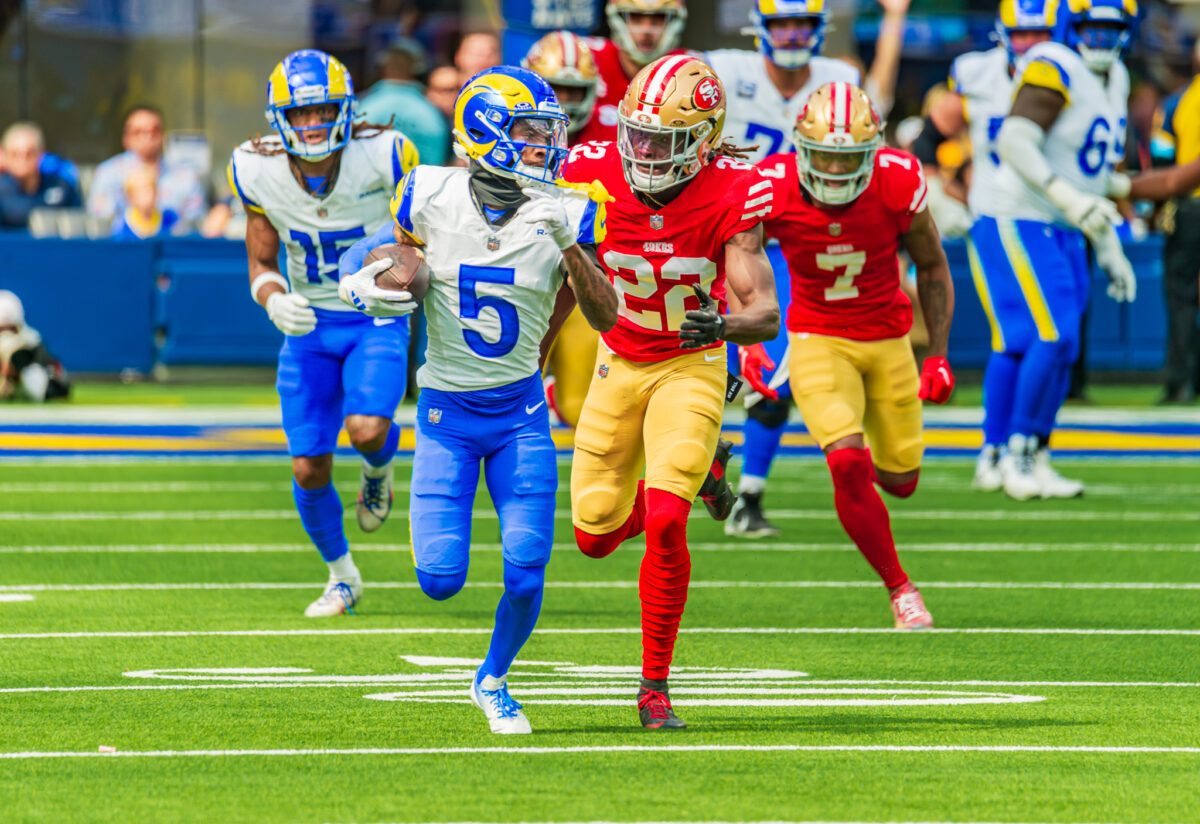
(1020, 146)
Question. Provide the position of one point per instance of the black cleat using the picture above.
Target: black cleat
(716, 492)
(747, 519)
(654, 707)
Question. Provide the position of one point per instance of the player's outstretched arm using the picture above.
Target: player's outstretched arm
(754, 310)
(1163, 184)
(935, 290)
(593, 292)
(564, 302)
(290, 312)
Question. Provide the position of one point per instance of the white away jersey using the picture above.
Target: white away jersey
(316, 230)
(981, 78)
(1083, 145)
(755, 111)
(492, 290)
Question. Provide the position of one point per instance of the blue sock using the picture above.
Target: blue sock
(1052, 401)
(382, 455)
(518, 612)
(1039, 384)
(999, 388)
(321, 514)
(759, 447)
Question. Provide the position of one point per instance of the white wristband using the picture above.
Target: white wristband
(1119, 186)
(266, 277)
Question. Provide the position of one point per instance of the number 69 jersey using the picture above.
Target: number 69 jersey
(1086, 141)
(844, 272)
(492, 289)
(654, 256)
(316, 230)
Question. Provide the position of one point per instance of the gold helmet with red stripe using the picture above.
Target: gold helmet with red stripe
(836, 136)
(565, 60)
(619, 12)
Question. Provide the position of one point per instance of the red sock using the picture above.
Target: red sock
(663, 584)
(600, 546)
(862, 513)
(904, 490)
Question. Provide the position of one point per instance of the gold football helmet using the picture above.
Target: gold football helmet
(565, 60)
(837, 135)
(618, 13)
(669, 122)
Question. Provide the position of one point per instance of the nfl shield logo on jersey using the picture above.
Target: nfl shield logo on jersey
(493, 244)
(835, 229)
(603, 370)
(435, 415)
(656, 222)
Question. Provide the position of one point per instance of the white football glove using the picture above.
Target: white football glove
(548, 210)
(1091, 214)
(360, 291)
(291, 313)
(1122, 284)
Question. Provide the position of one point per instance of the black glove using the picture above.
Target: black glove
(704, 326)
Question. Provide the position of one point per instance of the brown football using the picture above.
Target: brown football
(408, 271)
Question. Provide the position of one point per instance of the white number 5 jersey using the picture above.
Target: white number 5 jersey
(316, 230)
(492, 289)
(1085, 142)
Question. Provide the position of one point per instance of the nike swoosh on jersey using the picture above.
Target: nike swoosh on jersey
(529, 410)
(718, 357)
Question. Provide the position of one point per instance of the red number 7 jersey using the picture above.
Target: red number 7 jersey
(654, 256)
(844, 272)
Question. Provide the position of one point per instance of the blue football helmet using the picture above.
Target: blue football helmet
(306, 78)
(495, 102)
(1024, 15)
(796, 53)
(1100, 30)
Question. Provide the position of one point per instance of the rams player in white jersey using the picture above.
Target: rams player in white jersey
(981, 83)
(1059, 145)
(505, 248)
(317, 187)
(766, 90)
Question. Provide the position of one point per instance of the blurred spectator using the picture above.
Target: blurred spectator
(26, 366)
(443, 89)
(143, 218)
(1179, 138)
(478, 51)
(399, 98)
(1144, 102)
(24, 185)
(179, 188)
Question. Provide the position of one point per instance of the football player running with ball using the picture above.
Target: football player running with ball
(683, 241)
(843, 207)
(504, 247)
(317, 187)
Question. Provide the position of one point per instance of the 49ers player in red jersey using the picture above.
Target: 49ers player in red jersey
(642, 31)
(683, 239)
(843, 207)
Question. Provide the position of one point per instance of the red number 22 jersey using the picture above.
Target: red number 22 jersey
(844, 274)
(654, 256)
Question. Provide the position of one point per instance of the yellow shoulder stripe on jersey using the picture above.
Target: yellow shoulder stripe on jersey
(401, 206)
(985, 296)
(599, 196)
(236, 188)
(1046, 74)
(595, 190)
(1018, 256)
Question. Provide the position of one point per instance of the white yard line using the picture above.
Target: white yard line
(274, 633)
(729, 822)
(1029, 514)
(732, 546)
(621, 584)
(679, 748)
(14, 597)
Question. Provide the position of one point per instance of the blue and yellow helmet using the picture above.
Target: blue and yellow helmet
(1024, 15)
(307, 78)
(1100, 30)
(489, 106)
(797, 52)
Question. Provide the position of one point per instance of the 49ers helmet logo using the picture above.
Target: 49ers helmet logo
(707, 94)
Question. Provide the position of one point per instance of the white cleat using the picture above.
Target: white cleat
(1020, 483)
(339, 597)
(1053, 485)
(989, 477)
(503, 713)
(375, 496)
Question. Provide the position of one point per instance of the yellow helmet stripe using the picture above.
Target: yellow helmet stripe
(337, 77)
(1008, 13)
(766, 7)
(281, 93)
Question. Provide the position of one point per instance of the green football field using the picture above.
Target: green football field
(155, 608)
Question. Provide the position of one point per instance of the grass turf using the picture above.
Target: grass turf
(778, 618)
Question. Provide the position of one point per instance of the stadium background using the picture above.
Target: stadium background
(75, 67)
